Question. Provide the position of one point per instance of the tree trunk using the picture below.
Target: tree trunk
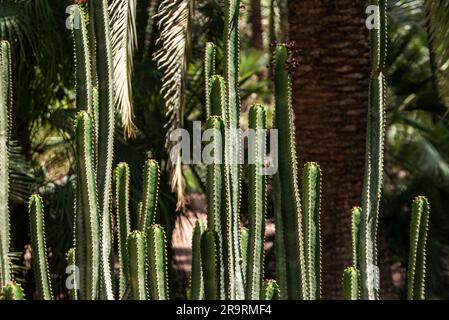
(255, 20)
(330, 93)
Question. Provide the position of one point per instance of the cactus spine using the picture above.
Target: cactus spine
(137, 265)
(197, 282)
(270, 290)
(373, 158)
(105, 138)
(157, 261)
(209, 71)
(235, 285)
(211, 265)
(88, 225)
(257, 204)
(290, 223)
(151, 175)
(121, 178)
(418, 241)
(312, 247)
(5, 110)
(39, 247)
(351, 284)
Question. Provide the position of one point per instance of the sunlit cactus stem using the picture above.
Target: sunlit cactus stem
(209, 71)
(39, 247)
(157, 262)
(257, 203)
(311, 229)
(137, 265)
(87, 212)
(12, 291)
(121, 178)
(72, 270)
(217, 97)
(197, 281)
(270, 290)
(289, 226)
(356, 213)
(150, 191)
(416, 273)
(211, 265)
(244, 245)
(351, 284)
(5, 110)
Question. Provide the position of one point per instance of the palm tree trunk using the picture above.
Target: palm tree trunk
(330, 92)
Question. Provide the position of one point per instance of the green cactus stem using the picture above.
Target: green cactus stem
(311, 229)
(270, 290)
(197, 281)
(151, 176)
(291, 223)
(209, 71)
(157, 261)
(106, 126)
(39, 247)
(121, 179)
(88, 225)
(235, 284)
(211, 265)
(12, 291)
(137, 265)
(5, 110)
(244, 245)
(351, 284)
(356, 214)
(416, 272)
(71, 265)
(374, 157)
(217, 97)
(257, 204)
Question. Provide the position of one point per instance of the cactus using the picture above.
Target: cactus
(157, 261)
(351, 284)
(121, 178)
(5, 110)
(270, 290)
(209, 71)
(106, 128)
(71, 267)
(257, 204)
(235, 284)
(211, 265)
(137, 265)
(197, 281)
(39, 247)
(12, 291)
(151, 175)
(244, 245)
(215, 192)
(87, 213)
(312, 247)
(217, 97)
(418, 240)
(372, 184)
(356, 213)
(289, 226)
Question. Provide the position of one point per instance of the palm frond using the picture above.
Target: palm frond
(124, 43)
(174, 21)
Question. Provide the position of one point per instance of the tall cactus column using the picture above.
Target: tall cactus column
(5, 109)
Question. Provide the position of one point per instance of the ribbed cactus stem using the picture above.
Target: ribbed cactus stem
(270, 290)
(88, 225)
(211, 265)
(416, 273)
(39, 247)
(351, 284)
(12, 291)
(157, 262)
(217, 97)
(197, 281)
(234, 283)
(257, 203)
(356, 214)
(106, 126)
(83, 71)
(374, 158)
(215, 192)
(150, 191)
(209, 71)
(137, 265)
(121, 179)
(311, 229)
(288, 176)
(71, 265)
(5, 110)
(244, 246)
